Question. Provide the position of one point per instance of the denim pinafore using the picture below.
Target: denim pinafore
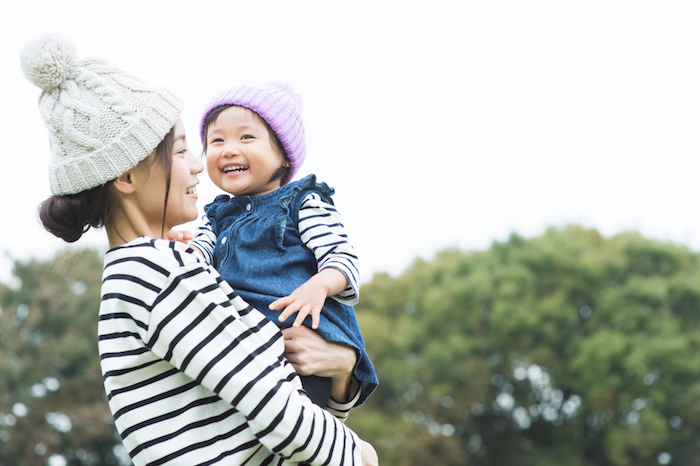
(260, 253)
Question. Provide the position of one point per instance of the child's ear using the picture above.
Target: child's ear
(123, 183)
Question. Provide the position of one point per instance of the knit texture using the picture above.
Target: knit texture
(101, 121)
(279, 106)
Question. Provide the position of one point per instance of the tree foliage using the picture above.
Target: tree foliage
(563, 348)
(52, 401)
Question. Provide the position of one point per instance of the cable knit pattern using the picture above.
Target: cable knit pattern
(101, 121)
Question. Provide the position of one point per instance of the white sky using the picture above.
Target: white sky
(442, 123)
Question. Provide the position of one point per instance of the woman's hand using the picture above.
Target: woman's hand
(310, 354)
(369, 455)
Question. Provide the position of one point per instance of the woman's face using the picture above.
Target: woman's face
(182, 197)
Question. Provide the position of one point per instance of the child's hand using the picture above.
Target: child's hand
(182, 236)
(310, 297)
(307, 299)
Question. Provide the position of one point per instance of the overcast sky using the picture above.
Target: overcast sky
(440, 124)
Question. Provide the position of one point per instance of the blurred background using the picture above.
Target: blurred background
(462, 138)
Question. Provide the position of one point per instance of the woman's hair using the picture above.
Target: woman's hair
(68, 217)
(281, 172)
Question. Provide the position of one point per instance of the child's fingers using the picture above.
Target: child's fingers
(303, 312)
(280, 303)
(315, 319)
(173, 235)
(288, 311)
(182, 236)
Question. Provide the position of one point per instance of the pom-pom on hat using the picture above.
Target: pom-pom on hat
(279, 106)
(101, 121)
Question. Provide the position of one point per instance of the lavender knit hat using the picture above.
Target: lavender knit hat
(279, 106)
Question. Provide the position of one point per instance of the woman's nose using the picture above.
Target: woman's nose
(197, 165)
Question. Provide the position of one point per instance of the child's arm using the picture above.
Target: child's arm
(185, 237)
(321, 230)
(205, 240)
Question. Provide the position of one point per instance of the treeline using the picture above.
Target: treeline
(567, 348)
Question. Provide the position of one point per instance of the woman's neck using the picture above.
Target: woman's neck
(128, 224)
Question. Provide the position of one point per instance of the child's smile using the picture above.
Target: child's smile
(234, 169)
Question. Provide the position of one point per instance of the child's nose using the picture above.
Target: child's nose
(230, 152)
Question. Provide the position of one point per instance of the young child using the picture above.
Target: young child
(280, 244)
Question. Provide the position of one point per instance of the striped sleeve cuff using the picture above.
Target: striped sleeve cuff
(342, 410)
(205, 240)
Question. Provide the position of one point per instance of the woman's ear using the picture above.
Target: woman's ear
(123, 183)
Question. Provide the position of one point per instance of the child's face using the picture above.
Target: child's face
(241, 159)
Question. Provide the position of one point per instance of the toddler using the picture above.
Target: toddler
(280, 244)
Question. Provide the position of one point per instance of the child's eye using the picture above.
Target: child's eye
(216, 140)
(247, 136)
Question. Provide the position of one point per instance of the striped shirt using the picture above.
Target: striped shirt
(322, 231)
(196, 376)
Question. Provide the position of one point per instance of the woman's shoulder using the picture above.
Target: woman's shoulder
(160, 255)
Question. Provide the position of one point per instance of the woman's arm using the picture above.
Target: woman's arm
(229, 348)
(310, 354)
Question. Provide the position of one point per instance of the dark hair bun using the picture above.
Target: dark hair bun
(64, 216)
(69, 217)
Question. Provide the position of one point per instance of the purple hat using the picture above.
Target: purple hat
(279, 106)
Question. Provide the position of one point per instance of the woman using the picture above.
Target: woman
(193, 374)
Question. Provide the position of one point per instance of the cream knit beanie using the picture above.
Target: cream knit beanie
(101, 121)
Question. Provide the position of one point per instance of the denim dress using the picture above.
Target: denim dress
(259, 252)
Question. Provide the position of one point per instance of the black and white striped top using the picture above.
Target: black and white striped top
(322, 231)
(195, 376)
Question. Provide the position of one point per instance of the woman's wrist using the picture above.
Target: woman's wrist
(340, 388)
(342, 378)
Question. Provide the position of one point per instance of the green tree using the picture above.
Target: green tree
(52, 399)
(566, 348)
